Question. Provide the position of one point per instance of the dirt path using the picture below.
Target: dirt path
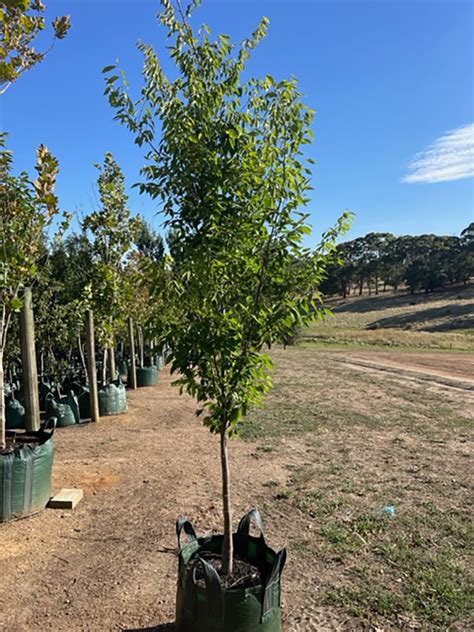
(450, 370)
(110, 564)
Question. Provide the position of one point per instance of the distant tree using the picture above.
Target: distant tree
(149, 242)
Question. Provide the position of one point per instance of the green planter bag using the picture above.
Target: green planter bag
(123, 367)
(112, 398)
(65, 409)
(14, 413)
(216, 609)
(25, 475)
(147, 376)
(82, 394)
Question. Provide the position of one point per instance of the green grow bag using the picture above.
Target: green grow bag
(14, 414)
(82, 394)
(25, 476)
(44, 389)
(65, 409)
(112, 398)
(147, 376)
(123, 367)
(215, 609)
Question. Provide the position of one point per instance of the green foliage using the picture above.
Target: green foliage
(27, 210)
(21, 21)
(113, 231)
(228, 169)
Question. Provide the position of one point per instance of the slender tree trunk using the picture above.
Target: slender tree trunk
(81, 353)
(140, 347)
(361, 286)
(2, 405)
(28, 361)
(133, 366)
(376, 285)
(92, 369)
(111, 353)
(104, 367)
(227, 544)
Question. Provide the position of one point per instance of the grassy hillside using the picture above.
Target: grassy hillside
(441, 320)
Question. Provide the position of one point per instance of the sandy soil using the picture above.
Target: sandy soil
(111, 565)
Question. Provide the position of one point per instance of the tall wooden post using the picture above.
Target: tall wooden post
(91, 367)
(133, 367)
(28, 361)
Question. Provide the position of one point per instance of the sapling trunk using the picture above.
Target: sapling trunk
(111, 352)
(104, 367)
(227, 544)
(2, 404)
(81, 354)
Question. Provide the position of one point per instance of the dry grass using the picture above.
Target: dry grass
(423, 321)
(370, 442)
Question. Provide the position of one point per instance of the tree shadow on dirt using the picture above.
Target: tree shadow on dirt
(164, 627)
(455, 317)
(389, 299)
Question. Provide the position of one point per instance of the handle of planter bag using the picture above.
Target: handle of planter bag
(268, 598)
(214, 593)
(252, 516)
(182, 524)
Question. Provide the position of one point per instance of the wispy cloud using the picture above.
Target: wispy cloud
(450, 157)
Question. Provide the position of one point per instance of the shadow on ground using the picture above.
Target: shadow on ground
(389, 299)
(455, 317)
(164, 627)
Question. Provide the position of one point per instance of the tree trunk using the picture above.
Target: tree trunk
(140, 347)
(227, 544)
(376, 285)
(104, 367)
(133, 366)
(28, 361)
(111, 353)
(81, 353)
(2, 405)
(92, 369)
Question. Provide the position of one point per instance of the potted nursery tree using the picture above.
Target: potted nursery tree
(27, 210)
(113, 230)
(225, 160)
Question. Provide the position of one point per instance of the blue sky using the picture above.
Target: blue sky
(388, 79)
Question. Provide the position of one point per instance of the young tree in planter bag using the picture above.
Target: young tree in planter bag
(113, 232)
(226, 162)
(27, 210)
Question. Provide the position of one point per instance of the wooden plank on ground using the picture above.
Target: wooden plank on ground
(65, 499)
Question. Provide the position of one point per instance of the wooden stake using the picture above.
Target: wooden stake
(28, 360)
(131, 341)
(91, 367)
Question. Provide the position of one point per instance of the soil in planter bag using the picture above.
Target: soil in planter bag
(65, 409)
(25, 476)
(215, 609)
(112, 398)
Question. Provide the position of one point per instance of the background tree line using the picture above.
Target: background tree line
(381, 260)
